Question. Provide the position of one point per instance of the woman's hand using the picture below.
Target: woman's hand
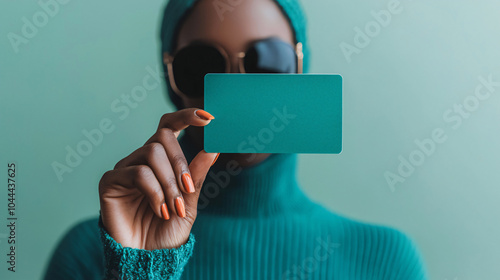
(149, 200)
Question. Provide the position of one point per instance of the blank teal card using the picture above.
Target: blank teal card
(273, 113)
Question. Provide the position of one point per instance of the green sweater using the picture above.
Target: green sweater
(259, 225)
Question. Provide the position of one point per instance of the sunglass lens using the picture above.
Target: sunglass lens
(271, 56)
(192, 63)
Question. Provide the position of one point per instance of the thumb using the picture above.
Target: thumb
(199, 168)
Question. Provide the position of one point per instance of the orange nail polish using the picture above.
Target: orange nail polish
(216, 157)
(202, 114)
(188, 182)
(179, 205)
(164, 211)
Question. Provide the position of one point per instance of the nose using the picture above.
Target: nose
(237, 63)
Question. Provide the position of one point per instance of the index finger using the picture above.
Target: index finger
(181, 119)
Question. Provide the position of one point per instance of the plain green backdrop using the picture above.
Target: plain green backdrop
(398, 86)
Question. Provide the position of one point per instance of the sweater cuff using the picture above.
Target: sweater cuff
(130, 263)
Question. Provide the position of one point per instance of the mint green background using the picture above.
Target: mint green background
(244, 106)
(396, 90)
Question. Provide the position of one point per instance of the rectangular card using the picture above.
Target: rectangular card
(273, 113)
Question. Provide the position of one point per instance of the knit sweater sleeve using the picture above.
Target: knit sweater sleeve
(130, 263)
(407, 262)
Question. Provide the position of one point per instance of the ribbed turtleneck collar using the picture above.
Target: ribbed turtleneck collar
(265, 189)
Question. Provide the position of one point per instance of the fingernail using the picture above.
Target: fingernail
(179, 205)
(216, 157)
(203, 115)
(164, 211)
(188, 182)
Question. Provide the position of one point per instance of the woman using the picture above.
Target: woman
(257, 223)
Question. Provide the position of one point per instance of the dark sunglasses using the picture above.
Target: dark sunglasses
(188, 66)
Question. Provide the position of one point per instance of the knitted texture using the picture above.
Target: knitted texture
(129, 263)
(176, 10)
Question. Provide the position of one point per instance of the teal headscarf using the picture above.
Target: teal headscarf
(177, 10)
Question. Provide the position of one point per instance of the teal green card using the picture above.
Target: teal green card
(273, 113)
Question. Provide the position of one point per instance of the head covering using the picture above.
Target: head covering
(176, 10)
